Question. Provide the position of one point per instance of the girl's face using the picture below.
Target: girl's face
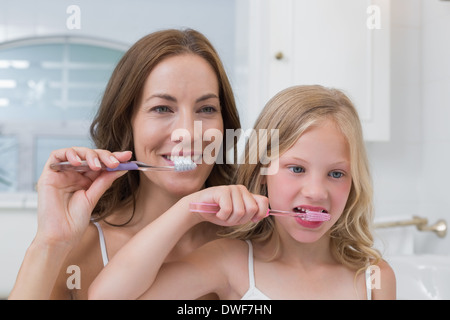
(313, 174)
(179, 91)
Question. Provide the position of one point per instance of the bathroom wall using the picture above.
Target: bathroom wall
(410, 171)
(435, 74)
(119, 21)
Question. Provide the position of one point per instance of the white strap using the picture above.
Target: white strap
(102, 243)
(251, 275)
(368, 283)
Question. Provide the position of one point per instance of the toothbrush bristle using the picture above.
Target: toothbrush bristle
(184, 164)
(317, 216)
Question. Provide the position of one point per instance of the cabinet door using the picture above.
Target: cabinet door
(342, 44)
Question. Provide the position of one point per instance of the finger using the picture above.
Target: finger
(66, 154)
(238, 210)
(99, 157)
(112, 159)
(251, 208)
(123, 156)
(100, 185)
(247, 210)
(74, 155)
(263, 207)
(225, 204)
(93, 158)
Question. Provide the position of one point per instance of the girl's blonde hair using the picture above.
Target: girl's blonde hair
(292, 111)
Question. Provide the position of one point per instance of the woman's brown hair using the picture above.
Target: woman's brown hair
(111, 128)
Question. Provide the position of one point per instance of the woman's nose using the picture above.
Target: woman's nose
(186, 130)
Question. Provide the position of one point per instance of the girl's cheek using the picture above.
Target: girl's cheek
(279, 190)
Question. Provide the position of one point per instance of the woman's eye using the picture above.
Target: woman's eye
(336, 174)
(161, 109)
(208, 109)
(297, 169)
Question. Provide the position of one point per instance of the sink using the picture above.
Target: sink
(421, 277)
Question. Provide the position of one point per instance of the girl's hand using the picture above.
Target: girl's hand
(237, 205)
(66, 199)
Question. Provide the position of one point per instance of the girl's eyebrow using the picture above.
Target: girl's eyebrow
(169, 97)
(337, 163)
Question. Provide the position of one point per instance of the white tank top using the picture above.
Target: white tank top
(102, 243)
(253, 293)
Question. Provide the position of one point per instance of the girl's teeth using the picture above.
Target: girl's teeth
(299, 209)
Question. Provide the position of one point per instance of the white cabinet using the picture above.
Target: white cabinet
(342, 44)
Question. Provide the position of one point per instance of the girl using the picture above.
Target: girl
(320, 165)
(166, 81)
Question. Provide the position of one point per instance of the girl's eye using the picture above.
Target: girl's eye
(161, 109)
(336, 174)
(296, 169)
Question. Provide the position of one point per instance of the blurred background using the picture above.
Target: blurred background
(391, 57)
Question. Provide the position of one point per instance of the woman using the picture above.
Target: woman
(168, 80)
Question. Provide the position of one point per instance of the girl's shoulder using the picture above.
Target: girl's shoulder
(385, 283)
(384, 268)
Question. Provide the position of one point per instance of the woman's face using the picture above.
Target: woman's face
(314, 174)
(179, 103)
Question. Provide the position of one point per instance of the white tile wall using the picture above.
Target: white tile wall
(410, 171)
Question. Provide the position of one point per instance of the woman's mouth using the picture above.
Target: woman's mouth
(197, 158)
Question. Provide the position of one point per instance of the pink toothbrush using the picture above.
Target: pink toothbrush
(203, 207)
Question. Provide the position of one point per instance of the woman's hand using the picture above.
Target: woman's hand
(66, 199)
(236, 204)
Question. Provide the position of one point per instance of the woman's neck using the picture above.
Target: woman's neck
(150, 203)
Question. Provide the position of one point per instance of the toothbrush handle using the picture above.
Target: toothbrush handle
(203, 207)
(84, 167)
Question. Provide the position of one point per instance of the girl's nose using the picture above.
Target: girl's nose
(315, 188)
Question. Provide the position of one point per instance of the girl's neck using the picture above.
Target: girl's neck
(293, 252)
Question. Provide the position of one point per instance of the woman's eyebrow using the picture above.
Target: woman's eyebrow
(168, 97)
(206, 97)
(164, 96)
